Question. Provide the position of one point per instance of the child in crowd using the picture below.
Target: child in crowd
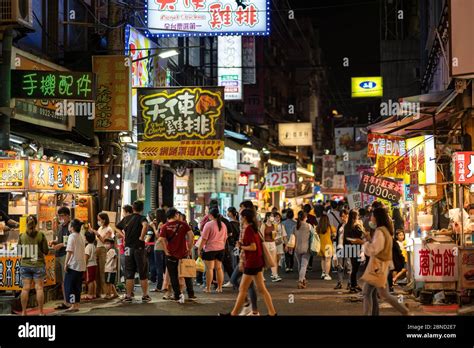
(91, 263)
(110, 269)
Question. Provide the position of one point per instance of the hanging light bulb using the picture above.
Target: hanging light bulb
(118, 176)
(106, 176)
(112, 182)
(117, 187)
(106, 187)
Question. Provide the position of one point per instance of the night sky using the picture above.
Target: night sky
(348, 28)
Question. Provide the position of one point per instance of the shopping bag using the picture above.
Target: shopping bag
(200, 265)
(292, 242)
(268, 258)
(376, 273)
(315, 243)
(187, 268)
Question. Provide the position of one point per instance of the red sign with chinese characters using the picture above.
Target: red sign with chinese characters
(436, 263)
(464, 167)
(50, 176)
(380, 187)
(385, 145)
(414, 187)
(243, 179)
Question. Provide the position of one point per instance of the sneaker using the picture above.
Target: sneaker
(327, 277)
(146, 299)
(338, 286)
(192, 298)
(168, 298)
(353, 291)
(228, 285)
(323, 275)
(276, 279)
(252, 314)
(246, 310)
(126, 299)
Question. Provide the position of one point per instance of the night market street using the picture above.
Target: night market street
(319, 298)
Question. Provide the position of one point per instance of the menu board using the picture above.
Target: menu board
(12, 174)
(52, 176)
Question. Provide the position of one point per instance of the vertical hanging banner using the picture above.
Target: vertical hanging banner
(249, 70)
(229, 71)
(180, 123)
(113, 98)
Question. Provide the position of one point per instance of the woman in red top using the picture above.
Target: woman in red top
(253, 265)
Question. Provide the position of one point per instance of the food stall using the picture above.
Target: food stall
(38, 187)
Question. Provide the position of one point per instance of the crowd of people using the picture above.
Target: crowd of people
(239, 247)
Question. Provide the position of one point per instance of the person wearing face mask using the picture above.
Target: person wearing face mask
(75, 266)
(59, 245)
(268, 233)
(104, 232)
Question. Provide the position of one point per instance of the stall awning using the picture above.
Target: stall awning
(68, 146)
(433, 107)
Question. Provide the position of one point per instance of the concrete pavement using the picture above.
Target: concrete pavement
(319, 298)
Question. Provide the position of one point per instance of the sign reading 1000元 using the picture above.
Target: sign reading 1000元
(33, 84)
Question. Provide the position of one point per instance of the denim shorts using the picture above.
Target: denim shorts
(33, 272)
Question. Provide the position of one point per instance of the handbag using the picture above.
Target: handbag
(268, 259)
(376, 273)
(187, 268)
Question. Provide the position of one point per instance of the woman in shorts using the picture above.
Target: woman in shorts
(213, 238)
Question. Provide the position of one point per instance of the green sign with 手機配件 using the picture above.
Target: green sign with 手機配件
(33, 84)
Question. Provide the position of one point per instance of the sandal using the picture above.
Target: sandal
(62, 306)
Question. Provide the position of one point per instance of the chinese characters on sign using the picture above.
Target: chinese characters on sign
(463, 167)
(392, 166)
(385, 145)
(229, 71)
(282, 177)
(437, 263)
(414, 183)
(113, 104)
(12, 174)
(33, 84)
(243, 179)
(10, 276)
(205, 180)
(181, 122)
(295, 134)
(229, 180)
(57, 177)
(331, 181)
(380, 187)
(249, 71)
(207, 17)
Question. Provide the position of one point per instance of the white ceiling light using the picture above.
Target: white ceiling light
(168, 53)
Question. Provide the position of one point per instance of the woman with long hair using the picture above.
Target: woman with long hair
(268, 231)
(326, 233)
(302, 235)
(160, 220)
(398, 221)
(379, 248)
(353, 230)
(104, 232)
(280, 239)
(213, 239)
(253, 264)
(32, 264)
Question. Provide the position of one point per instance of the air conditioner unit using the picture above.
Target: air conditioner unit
(16, 13)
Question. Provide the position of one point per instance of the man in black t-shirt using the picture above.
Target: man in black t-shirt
(135, 227)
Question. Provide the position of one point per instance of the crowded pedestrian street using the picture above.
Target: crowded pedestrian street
(183, 165)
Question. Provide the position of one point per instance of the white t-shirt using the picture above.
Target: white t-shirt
(75, 244)
(103, 230)
(91, 251)
(111, 261)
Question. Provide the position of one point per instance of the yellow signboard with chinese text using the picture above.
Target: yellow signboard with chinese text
(113, 97)
(12, 174)
(10, 274)
(169, 150)
(51, 176)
